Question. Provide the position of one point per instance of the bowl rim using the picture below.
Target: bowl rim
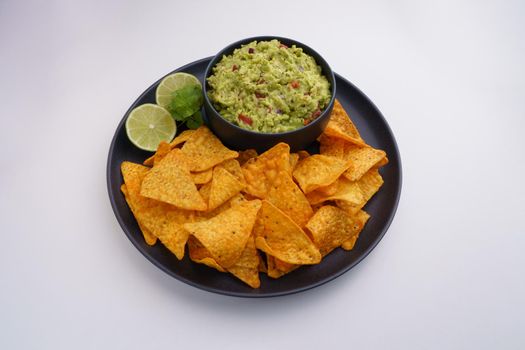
(237, 44)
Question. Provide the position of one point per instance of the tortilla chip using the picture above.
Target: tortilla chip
(315, 208)
(162, 150)
(149, 161)
(204, 150)
(331, 146)
(362, 157)
(361, 160)
(204, 191)
(246, 155)
(171, 233)
(148, 236)
(223, 187)
(286, 195)
(206, 215)
(327, 190)
(360, 220)
(368, 185)
(345, 190)
(170, 181)
(294, 158)
(349, 208)
(382, 162)
(262, 171)
(272, 271)
(237, 199)
(284, 266)
(303, 154)
(262, 264)
(278, 268)
(317, 171)
(279, 236)
(234, 168)
(183, 137)
(330, 227)
(247, 267)
(133, 175)
(161, 219)
(201, 255)
(340, 126)
(202, 177)
(226, 234)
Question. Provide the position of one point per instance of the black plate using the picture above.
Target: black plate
(382, 207)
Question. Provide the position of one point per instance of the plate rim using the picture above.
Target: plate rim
(325, 280)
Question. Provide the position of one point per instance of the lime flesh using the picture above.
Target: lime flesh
(148, 125)
(171, 83)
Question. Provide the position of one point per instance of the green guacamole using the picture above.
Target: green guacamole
(268, 87)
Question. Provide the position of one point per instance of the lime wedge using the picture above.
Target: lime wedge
(172, 83)
(148, 125)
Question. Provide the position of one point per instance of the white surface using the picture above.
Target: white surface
(449, 274)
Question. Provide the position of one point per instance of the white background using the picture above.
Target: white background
(449, 274)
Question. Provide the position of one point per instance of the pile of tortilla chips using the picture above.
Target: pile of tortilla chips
(244, 213)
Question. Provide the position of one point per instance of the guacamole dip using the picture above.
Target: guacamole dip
(268, 87)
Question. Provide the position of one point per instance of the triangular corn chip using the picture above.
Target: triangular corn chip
(294, 158)
(279, 236)
(262, 171)
(223, 187)
(278, 268)
(360, 220)
(361, 160)
(286, 195)
(202, 177)
(327, 190)
(183, 137)
(303, 154)
(170, 232)
(246, 155)
(262, 264)
(361, 156)
(163, 220)
(318, 171)
(341, 126)
(368, 185)
(149, 162)
(161, 152)
(332, 146)
(344, 189)
(204, 150)
(148, 236)
(234, 168)
(330, 227)
(246, 268)
(226, 234)
(170, 181)
(201, 255)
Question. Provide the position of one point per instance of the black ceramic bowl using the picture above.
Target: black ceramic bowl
(239, 138)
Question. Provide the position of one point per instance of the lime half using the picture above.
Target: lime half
(148, 125)
(172, 83)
